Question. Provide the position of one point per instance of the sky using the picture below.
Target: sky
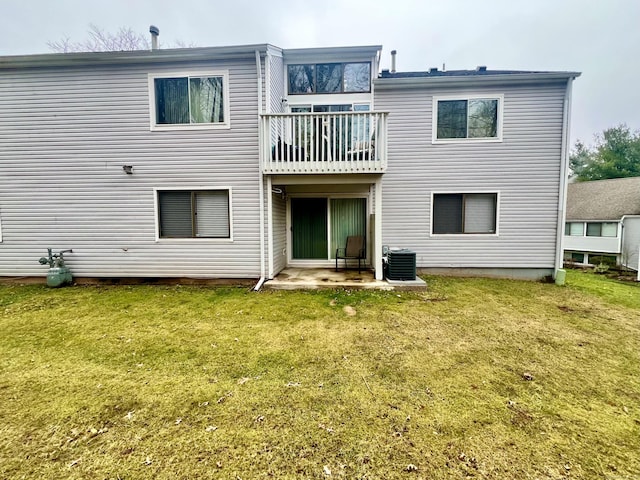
(600, 38)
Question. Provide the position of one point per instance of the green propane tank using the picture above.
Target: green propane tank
(58, 274)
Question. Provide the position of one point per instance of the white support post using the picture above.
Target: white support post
(377, 244)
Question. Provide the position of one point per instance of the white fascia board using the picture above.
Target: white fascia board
(388, 83)
(331, 54)
(137, 56)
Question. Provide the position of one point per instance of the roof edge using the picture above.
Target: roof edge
(133, 56)
(473, 79)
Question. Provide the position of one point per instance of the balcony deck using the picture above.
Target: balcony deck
(311, 143)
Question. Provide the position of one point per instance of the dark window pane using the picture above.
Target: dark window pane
(207, 104)
(357, 77)
(329, 78)
(175, 214)
(594, 229)
(172, 100)
(483, 118)
(452, 119)
(447, 213)
(577, 257)
(301, 78)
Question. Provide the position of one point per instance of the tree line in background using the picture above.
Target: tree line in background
(616, 154)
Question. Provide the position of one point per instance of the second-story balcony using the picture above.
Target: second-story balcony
(340, 142)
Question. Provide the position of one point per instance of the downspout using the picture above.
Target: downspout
(267, 90)
(260, 179)
(564, 174)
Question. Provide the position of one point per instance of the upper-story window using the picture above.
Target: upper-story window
(199, 100)
(467, 118)
(329, 78)
(574, 229)
(602, 229)
(594, 229)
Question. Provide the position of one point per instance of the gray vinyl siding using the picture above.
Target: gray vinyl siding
(631, 242)
(524, 169)
(65, 134)
(279, 233)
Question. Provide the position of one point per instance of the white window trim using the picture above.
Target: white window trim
(466, 235)
(189, 126)
(189, 188)
(489, 96)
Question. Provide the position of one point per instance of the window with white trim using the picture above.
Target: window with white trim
(194, 214)
(464, 119)
(602, 229)
(352, 77)
(574, 229)
(464, 213)
(189, 100)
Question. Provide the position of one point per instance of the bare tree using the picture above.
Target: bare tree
(100, 41)
(125, 39)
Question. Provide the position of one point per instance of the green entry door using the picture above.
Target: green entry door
(309, 228)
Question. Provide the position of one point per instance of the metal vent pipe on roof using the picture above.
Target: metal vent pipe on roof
(393, 61)
(154, 31)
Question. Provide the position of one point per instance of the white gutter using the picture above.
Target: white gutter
(564, 176)
(260, 179)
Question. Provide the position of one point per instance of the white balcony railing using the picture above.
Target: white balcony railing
(345, 142)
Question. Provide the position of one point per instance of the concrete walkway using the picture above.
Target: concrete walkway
(312, 278)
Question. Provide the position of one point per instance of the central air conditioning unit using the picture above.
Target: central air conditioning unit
(401, 264)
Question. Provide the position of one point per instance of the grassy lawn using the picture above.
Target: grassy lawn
(475, 378)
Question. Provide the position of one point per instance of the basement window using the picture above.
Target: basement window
(194, 214)
(464, 213)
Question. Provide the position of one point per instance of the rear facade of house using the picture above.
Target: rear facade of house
(236, 162)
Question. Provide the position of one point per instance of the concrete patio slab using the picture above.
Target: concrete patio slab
(312, 278)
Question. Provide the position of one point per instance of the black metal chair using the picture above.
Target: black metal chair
(354, 250)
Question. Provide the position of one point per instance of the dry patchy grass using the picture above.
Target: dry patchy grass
(475, 378)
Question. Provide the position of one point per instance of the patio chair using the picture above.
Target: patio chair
(354, 250)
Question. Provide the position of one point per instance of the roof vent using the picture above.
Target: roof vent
(433, 70)
(481, 68)
(393, 61)
(154, 31)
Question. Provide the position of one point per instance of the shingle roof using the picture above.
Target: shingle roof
(455, 73)
(603, 199)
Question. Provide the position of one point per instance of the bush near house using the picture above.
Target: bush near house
(475, 378)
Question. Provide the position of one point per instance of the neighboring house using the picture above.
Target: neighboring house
(603, 222)
(235, 162)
